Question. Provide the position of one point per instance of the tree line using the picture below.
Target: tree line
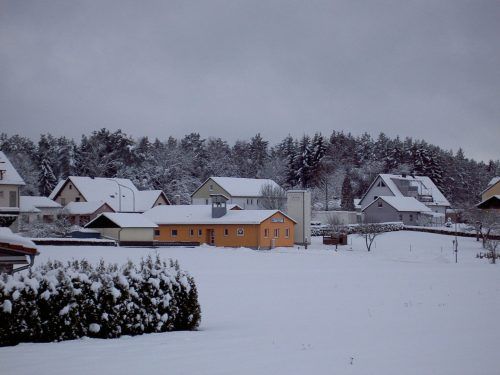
(336, 168)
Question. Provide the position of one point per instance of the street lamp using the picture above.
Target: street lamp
(120, 193)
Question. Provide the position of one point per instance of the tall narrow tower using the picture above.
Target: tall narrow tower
(298, 207)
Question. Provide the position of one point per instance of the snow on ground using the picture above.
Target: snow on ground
(314, 311)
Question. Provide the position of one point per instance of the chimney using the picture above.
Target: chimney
(219, 207)
(177, 199)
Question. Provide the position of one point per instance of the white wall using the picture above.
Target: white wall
(298, 207)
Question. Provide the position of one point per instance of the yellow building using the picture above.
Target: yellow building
(216, 225)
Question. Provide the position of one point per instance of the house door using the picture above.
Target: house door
(211, 236)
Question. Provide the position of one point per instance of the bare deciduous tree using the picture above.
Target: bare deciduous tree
(273, 197)
(484, 222)
(369, 232)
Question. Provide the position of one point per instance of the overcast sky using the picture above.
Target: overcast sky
(424, 69)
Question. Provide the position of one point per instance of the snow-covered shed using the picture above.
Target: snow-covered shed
(119, 193)
(405, 209)
(126, 228)
(15, 250)
(245, 192)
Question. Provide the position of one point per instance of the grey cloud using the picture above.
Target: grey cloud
(423, 69)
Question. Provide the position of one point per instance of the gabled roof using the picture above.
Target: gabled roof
(10, 176)
(121, 220)
(145, 199)
(403, 204)
(84, 208)
(493, 182)
(202, 214)
(424, 185)
(491, 202)
(34, 203)
(108, 189)
(241, 187)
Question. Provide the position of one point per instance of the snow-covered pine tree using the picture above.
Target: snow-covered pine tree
(347, 199)
(46, 178)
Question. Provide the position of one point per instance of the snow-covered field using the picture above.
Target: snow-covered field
(316, 311)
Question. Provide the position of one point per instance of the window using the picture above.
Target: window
(381, 184)
(206, 201)
(287, 232)
(226, 232)
(411, 217)
(200, 232)
(191, 232)
(276, 233)
(63, 201)
(174, 232)
(211, 187)
(266, 232)
(77, 199)
(1, 194)
(379, 203)
(157, 232)
(70, 187)
(251, 201)
(240, 232)
(400, 217)
(248, 201)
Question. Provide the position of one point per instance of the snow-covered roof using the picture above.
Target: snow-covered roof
(82, 208)
(7, 237)
(108, 190)
(145, 199)
(425, 186)
(403, 204)
(125, 220)
(242, 187)
(202, 214)
(10, 175)
(493, 182)
(33, 203)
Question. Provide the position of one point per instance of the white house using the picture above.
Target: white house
(119, 193)
(36, 208)
(422, 188)
(245, 192)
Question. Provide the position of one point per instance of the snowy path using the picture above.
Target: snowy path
(306, 312)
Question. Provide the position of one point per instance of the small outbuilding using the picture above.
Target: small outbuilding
(127, 228)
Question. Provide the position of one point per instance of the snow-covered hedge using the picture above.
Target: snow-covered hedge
(67, 301)
(355, 228)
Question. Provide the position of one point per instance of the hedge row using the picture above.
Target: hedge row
(60, 301)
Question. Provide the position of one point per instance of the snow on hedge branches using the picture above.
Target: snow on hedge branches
(60, 301)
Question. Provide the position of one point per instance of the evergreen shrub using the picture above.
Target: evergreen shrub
(57, 301)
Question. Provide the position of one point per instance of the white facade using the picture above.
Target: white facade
(299, 209)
